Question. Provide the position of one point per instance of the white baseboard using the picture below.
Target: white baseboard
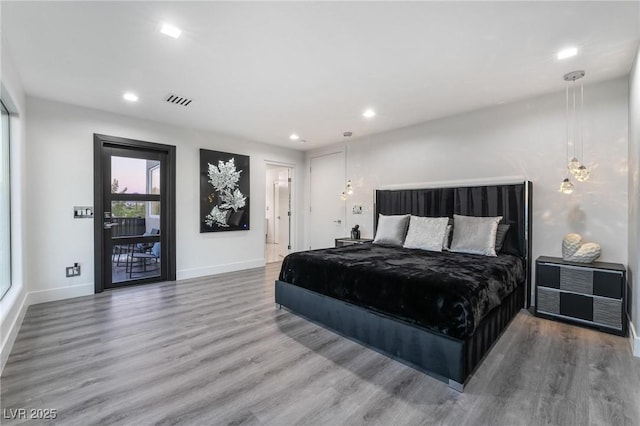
(43, 296)
(32, 298)
(186, 274)
(10, 337)
(634, 340)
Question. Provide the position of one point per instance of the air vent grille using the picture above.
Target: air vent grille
(178, 100)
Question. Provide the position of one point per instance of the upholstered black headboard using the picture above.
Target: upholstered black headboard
(511, 201)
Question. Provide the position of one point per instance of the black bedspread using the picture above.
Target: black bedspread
(446, 292)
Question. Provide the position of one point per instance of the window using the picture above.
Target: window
(153, 187)
(5, 206)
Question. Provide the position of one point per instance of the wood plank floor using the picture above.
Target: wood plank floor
(216, 350)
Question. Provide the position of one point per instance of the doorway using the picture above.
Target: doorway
(134, 204)
(326, 211)
(278, 212)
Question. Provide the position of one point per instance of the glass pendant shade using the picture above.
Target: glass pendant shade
(566, 187)
(574, 165)
(582, 174)
(349, 188)
(343, 196)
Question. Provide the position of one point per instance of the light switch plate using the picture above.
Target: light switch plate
(357, 209)
(83, 212)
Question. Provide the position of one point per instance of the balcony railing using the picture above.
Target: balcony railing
(128, 226)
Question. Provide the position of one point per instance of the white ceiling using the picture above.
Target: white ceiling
(262, 70)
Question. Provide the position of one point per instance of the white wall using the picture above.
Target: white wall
(525, 138)
(60, 152)
(634, 198)
(13, 304)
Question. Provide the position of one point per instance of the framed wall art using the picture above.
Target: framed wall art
(224, 191)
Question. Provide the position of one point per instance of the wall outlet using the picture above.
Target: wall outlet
(73, 271)
(357, 209)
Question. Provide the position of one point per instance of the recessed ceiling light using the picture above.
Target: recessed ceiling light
(567, 53)
(294, 137)
(131, 97)
(170, 30)
(369, 113)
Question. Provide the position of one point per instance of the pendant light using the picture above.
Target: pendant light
(582, 174)
(575, 137)
(349, 187)
(566, 187)
(574, 119)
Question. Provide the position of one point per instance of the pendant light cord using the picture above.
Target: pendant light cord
(581, 123)
(574, 120)
(567, 120)
(346, 158)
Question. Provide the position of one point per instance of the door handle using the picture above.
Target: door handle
(337, 221)
(109, 225)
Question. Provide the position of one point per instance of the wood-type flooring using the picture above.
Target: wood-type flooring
(217, 351)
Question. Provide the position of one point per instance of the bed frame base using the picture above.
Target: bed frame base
(447, 359)
(456, 386)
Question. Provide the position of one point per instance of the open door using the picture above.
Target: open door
(278, 212)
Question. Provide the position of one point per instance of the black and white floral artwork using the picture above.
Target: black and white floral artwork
(224, 191)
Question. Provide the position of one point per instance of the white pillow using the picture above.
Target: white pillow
(426, 233)
(391, 229)
(476, 235)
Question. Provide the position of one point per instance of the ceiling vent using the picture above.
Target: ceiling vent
(178, 100)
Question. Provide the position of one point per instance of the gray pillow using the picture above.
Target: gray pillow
(391, 229)
(446, 242)
(501, 235)
(426, 233)
(475, 235)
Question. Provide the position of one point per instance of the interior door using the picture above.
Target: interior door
(327, 210)
(134, 213)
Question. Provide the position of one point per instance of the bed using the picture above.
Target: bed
(438, 312)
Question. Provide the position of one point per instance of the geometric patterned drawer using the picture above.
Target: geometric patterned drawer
(607, 312)
(576, 280)
(548, 301)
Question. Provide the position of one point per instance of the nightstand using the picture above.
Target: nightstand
(340, 242)
(592, 294)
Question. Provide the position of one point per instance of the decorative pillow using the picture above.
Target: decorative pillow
(501, 235)
(476, 235)
(426, 233)
(391, 229)
(446, 242)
